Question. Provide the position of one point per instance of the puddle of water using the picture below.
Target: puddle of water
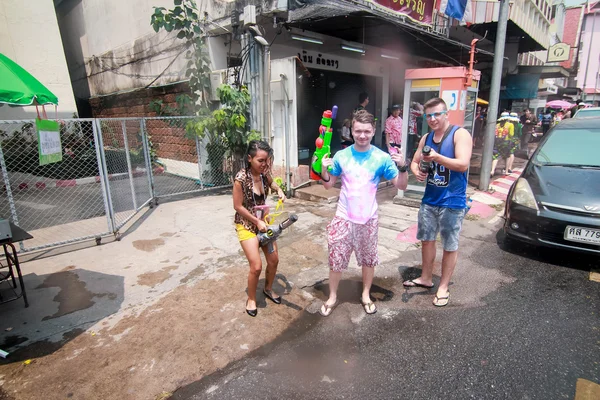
(349, 291)
(73, 295)
(11, 341)
(148, 245)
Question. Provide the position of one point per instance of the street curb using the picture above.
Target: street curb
(407, 201)
(61, 183)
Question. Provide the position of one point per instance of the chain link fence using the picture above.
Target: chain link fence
(111, 169)
(187, 163)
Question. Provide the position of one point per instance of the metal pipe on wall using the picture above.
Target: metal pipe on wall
(286, 135)
(259, 88)
(267, 96)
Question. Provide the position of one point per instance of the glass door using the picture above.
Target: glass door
(417, 128)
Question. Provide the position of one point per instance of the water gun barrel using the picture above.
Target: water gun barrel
(285, 224)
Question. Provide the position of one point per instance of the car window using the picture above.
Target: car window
(572, 147)
(588, 113)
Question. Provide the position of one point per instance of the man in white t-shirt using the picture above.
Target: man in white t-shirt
(355, 225)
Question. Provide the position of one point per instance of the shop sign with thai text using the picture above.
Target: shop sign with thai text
(318, 59)
(420, 11)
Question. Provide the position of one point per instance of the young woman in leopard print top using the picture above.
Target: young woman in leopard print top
(250, 189)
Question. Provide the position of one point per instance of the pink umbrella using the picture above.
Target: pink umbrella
(559, 104)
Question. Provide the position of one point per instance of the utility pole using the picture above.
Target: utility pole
(489, 135)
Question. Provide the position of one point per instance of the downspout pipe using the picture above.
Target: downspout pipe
(286, 135)
(267, 95)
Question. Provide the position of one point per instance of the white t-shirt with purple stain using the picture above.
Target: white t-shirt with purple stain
(361, 172)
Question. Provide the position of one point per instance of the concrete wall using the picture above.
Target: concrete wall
(29, 35)
(113, 45)
(589, 57)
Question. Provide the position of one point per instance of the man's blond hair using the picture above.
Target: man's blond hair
(364, 117)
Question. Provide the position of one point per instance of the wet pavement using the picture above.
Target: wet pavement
(520, 324)
(164, 309)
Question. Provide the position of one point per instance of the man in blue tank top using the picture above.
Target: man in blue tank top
(444, 203)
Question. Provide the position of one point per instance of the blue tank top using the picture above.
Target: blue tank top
(445, 188)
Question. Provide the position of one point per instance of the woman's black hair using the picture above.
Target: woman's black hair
(253, 147)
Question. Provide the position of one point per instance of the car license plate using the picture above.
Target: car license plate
(584, 235)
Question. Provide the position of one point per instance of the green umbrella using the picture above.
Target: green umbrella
(18, 87)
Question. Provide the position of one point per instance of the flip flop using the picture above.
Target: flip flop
(441, 301)
(412, 283)
(367, 307)
(325, 310)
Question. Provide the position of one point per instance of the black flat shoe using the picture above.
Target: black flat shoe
(251, 313)
(276, 300)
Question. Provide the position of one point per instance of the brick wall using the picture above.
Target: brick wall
(571, 34)
(167, 136)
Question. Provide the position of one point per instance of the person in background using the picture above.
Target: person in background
(516, 139)
(416, 112)
(363, 101)
(347, 133)
(503, 143)
(529, 123)
(560, 115)
(575, 107)
(393, 130)
(547, 121)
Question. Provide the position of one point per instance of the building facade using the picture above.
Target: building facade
(588, 79)
(36, 46)
(318, 53)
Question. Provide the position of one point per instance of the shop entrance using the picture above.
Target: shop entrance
(320, 92)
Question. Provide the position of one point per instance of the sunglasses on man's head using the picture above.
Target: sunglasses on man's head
(435, 115)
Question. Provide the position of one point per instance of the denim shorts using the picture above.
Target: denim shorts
(445, 221)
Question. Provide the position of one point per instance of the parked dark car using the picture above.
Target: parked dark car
(556, 201)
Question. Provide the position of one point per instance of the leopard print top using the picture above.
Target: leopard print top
(251, 199)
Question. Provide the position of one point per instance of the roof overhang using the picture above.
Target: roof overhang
(545, 71)
(514, 33)
(358, 23)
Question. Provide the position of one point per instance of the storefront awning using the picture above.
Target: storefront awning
(355, 22)
(545, 71)
(520, 87)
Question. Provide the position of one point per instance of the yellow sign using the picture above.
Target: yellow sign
(559, 52)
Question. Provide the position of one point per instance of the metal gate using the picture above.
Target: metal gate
(111, 169)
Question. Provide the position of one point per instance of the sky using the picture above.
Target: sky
(569, 3)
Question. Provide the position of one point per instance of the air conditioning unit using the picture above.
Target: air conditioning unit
(217, 78)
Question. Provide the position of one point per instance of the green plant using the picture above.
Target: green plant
(227, 128)
(282, 185)
(185, 106)
(228, 125)
(183, 18)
